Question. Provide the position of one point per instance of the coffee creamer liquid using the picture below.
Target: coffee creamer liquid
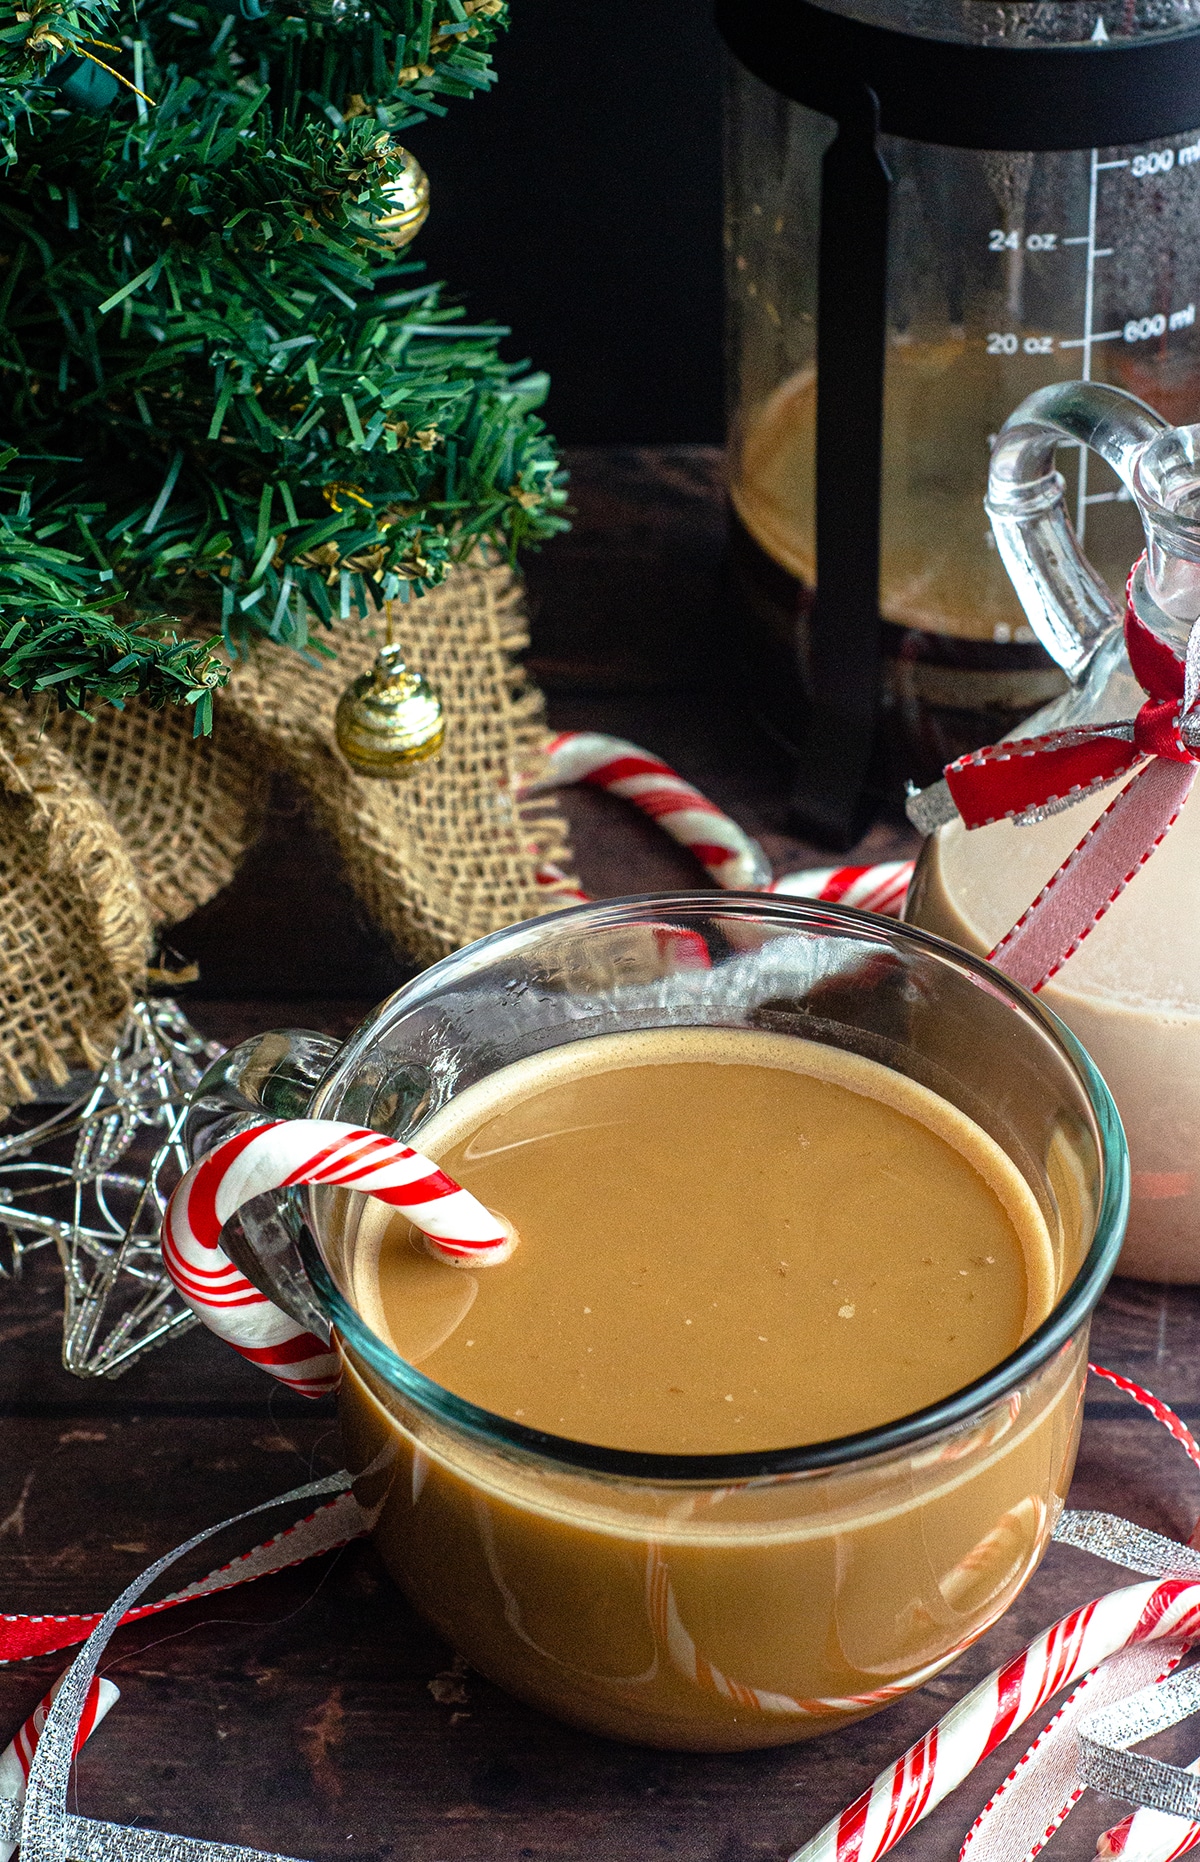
(729, 1241)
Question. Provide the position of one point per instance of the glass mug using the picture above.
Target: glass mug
(724, 1601)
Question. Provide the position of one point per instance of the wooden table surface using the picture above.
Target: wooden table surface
(313, 1713)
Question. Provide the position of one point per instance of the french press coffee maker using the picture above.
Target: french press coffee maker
(933, 210)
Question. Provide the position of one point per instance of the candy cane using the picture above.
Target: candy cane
(1150, 1835)
(730, 856)
(17, 1755)
(273, 1156)
(907, 1791)
(937, 1764)
(724, 849)
(880, 888)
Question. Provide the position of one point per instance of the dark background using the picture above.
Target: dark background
(580, 202)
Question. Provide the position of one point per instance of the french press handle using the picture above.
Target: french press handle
(1069, 606)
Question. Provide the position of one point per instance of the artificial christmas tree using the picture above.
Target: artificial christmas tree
(244, 416)
(235, 398)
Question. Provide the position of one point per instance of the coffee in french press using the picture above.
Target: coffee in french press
(933, 210)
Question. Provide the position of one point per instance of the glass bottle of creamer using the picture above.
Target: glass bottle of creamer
(1131, 991)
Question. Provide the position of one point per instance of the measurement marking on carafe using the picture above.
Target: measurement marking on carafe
(1089, 303)
(1136, 329)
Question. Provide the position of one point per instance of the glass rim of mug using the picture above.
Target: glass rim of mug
(961, 1406)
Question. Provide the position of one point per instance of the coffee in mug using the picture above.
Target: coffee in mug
(772, 1410)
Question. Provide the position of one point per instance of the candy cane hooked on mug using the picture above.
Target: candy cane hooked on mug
(278, 1154)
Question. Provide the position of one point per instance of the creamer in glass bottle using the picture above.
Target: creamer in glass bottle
(1131, 991)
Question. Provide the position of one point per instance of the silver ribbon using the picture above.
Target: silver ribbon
(930, 809)
(88, 1840)
(1104, 1763)
(1107, 1766)
(1106, 1535)
(43, 1828)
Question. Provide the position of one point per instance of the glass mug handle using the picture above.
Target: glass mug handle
(1069, 606)
(276, 1075)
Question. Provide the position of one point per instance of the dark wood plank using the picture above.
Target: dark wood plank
(629, 599)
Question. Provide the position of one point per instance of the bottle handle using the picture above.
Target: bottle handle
(275, 1073)
(1069, 606)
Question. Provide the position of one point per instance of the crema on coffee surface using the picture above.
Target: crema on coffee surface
(729, 1241)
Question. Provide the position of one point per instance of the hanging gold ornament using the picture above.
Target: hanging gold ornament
(389, 719)
(409, 194)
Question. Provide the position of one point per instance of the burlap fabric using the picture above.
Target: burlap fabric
(451, 851)
(185, 809)
(114, 830)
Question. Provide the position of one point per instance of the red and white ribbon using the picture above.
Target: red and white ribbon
(328, 1527)
(17, 1756)
(1026, 778)
(275, 1155)
(333, 1524)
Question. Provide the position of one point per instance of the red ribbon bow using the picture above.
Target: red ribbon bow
(1008, 780)
(1016, 781)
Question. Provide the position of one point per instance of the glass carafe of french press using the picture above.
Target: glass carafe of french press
(933, 209)
(1131, 990)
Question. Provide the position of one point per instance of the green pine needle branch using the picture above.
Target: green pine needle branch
(235, 398)
(57, 637)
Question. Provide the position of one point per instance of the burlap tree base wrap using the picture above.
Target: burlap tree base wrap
(111, 832)
(450, 852)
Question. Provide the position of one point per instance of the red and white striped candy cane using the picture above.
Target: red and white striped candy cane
(273, 1156)
(880, 888)
(731, 857)
(907, 1791)
(17, 1756)
(1159, 1838)
(1150, 1835)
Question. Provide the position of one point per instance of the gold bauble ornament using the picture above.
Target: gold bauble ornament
(409, 193)
(390, 719)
